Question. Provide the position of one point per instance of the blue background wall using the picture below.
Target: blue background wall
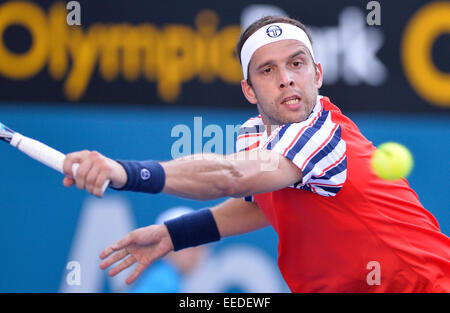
(39, 216)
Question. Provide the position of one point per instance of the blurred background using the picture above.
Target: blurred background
(150, 80)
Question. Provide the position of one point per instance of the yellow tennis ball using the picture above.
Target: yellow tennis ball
(392, 161)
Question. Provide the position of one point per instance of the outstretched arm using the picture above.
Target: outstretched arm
(201, 176)
(211, 176)
(146, 245)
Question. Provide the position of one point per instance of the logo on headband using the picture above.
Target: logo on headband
(274, 31)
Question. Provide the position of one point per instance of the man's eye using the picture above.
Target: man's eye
(296, 63)
(267, 70)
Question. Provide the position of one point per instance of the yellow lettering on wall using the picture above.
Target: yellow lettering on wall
(175, 58)
(168, 56)
(421, 32)
(31, 17)
(58, 41)
(149, 39)
(228, 68)
(206, 23)
(111, 42)
(84, 57)
(139, 55)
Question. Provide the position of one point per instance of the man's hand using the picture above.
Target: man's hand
(93, 171)
(143, 245)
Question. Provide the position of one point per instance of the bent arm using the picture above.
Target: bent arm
(148, 244)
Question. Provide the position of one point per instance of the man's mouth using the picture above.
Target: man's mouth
(292, 102)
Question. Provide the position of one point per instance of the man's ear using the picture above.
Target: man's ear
(319, 76)
(248, 92)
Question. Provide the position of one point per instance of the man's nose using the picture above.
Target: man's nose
(285, 79)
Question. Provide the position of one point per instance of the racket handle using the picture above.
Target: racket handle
(44, 154)
(39, 151)
(74, 171)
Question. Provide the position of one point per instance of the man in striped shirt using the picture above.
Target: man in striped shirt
(323, 152)
(302, 167)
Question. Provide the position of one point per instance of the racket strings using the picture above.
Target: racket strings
(5, 133)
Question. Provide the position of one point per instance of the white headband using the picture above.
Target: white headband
(268, 34)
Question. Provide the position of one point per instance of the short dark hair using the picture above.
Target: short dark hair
(263, 22)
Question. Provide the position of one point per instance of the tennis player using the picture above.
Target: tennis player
(302, 167)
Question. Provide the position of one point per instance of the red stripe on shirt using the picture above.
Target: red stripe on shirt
(249, 135)
(332, 165)
(254, 118)
(320, 147)
(320, 184)
(298, 135)
(252, 146)
(274, 133)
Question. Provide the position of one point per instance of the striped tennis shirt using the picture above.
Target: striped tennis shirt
(314, 145)
(342, 228)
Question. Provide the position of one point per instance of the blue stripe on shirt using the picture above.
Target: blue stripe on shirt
(249, 198)
(339, 168)
(307, 135)
(305, 187)
(278, 136)
(332, 190)
(327, 149)
(251, 130)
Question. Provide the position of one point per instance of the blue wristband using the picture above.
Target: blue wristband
(143, 176)
(193, 229)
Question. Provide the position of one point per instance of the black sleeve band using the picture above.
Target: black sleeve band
(193, 229)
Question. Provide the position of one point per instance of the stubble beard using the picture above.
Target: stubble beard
(275, 120)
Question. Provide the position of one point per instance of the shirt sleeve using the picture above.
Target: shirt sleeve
(315, 146)
(250, 134)
(249, 138)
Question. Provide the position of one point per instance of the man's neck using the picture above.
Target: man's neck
(272, 125)
(270, 128)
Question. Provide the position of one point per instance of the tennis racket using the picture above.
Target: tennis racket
(38, 151)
